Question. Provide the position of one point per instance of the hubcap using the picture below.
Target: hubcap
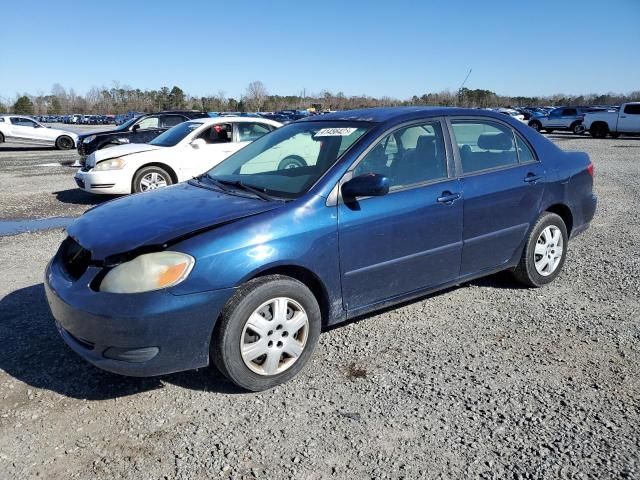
(548, 251)
(274, 336)
(152, 180)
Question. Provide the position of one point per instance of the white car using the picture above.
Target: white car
(21, 129)
(182, 152)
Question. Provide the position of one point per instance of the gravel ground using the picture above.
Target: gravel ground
(488, 380)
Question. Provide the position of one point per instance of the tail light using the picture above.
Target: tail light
(590, 168)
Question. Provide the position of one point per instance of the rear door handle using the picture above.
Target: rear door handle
(532, 178)
(448, 198)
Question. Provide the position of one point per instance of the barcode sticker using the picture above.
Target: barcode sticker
(335, 132)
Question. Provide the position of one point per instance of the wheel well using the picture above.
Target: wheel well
(163, 166)
(309, 279)
(565, 213)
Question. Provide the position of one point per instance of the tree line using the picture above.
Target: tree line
(122, 99)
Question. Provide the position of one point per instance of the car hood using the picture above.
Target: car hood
(100, 132)
(119, 151)
(156, 217)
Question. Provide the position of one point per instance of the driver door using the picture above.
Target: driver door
(411, 238)
(218, 146)
(25, 129)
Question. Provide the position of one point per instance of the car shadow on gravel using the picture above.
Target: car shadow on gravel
(75, 196)
(5, 148)
(33, 352)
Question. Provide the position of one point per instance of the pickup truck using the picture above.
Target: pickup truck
(624, 120)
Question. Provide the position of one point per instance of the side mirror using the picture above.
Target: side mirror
(135, 128)
(197, 143)
(367, 185)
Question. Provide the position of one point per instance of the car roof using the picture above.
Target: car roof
(381, 115)
(216, 120)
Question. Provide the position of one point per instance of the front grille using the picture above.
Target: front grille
(75, 258)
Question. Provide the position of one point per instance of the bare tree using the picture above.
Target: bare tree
(255, 95)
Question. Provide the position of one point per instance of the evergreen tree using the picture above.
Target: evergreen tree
(23, 106)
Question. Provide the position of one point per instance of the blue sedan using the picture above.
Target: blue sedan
(243, 265)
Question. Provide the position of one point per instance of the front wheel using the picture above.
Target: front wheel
(536, 125)
(599, 130)
(577, 128)
(64, 143)
(267, 332)
(151, 178)
(545, 252)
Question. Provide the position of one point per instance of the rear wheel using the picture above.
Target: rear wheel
(267, 332)
(536, 125)
(292, 161)
(577, 128)
(1, 138)
(599, 130)
(151, 178)
(64, 143)
(545, 252)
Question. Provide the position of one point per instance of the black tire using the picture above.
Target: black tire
(536, 125)
(577, 128)
(292, 161)
(139, 181)
(548, 130)
(526, 271)
(1, 138)
(614, 134)
(599, 130)
(64, 142)
(225, 350)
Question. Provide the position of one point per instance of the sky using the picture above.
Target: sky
(380, 48)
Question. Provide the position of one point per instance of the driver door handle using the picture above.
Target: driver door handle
(447, 198)
(532, 178)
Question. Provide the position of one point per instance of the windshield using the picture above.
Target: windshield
(174, 135)
(288, 161)
(127, 124)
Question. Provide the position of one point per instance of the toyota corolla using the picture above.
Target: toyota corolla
(243, 265)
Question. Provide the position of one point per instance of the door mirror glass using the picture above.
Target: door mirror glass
(367, 185)
(135, 128)
(198, 143)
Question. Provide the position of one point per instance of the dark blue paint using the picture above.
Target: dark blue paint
(366, 254)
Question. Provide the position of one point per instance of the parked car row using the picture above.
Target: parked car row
(243, 265)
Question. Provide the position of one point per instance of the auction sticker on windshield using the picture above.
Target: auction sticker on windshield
(335, 132)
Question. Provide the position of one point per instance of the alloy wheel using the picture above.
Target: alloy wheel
(152, 181)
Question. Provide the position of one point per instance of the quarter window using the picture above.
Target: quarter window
(408, 156)
(168, 121)
(632, 109)
(524, 151)
(484, 145)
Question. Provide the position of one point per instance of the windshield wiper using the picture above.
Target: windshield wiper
(243, 186)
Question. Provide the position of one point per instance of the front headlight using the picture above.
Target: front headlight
(89, 139)
(151, 271)
(112, 164)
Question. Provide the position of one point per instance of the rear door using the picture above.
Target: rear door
(503, 183)
(411, 238)
(629, 120)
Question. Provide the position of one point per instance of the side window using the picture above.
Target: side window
(1, 119)
(408, 156)
(168, 121)
(555, 113)
(248, 132)
(632, 109)
(22, 122)
(569, 112)
(484, 145)
(524, 151)
(149, 122)
(220, 133)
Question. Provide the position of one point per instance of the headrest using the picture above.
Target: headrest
(495, 141)
(425, 141)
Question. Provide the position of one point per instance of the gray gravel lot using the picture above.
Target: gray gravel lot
(488, 380)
